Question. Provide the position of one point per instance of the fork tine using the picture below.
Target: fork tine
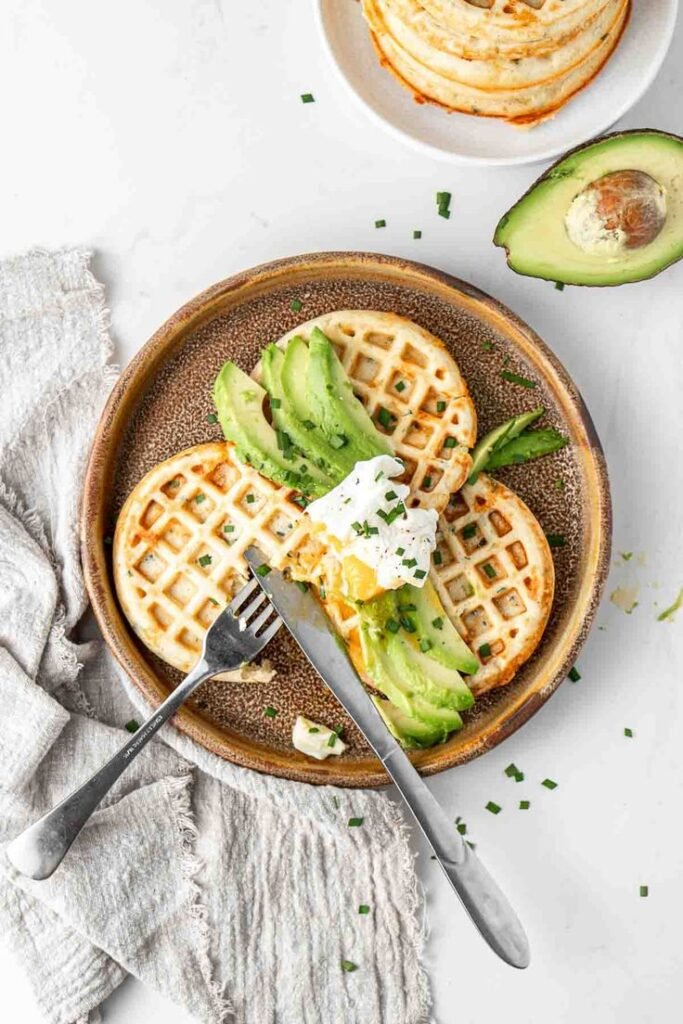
(242, 595)
(262, 619)
(269, 633)
(246, 613)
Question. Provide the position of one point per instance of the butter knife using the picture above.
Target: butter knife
(481, 897)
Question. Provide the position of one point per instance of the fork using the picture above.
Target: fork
(235, 637)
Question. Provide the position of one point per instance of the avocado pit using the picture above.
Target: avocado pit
(620, 211)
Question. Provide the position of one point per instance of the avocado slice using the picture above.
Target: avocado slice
(499, 436)
(620, 198)
(284, 376)
(410, 732)
(336, 410)
(435, 628)
(239, 404)
(440, 686)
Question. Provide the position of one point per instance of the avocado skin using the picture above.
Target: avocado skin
(239, 404)
(292, 401)
(338, 412)
(564, 167)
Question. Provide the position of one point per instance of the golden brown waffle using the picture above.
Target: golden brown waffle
(179, 543)
(495, 578)
(396, 365)
(505, 606)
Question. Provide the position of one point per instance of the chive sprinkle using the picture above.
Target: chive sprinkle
(391, 496)
(419, 574)
(314, 728)
(303, 587)
(400, 385)
(407, 624)
(269, 712)
(438, 558)
(364, 909)
(559, 285)
(307, 97)
(309, 424)
(228, 528)
(204, 560)
(487, 346)
(409, 562)
(441, 406)
(493, 808)
(574, 674)
(338, 440)
(515, 378)
(355, 822)
(380, 223)
(511, 770)
(485, 651)
(524, 805)
(393, 626)
(384, 416)
(437, 623)
(348, 966)
(443, 202)
(212, 418)
(417, 233)
(400, 551)
(262, 570)
(644, 890)
(450, 442)
(132, 726)
(250, 499)
(549, 784)
(199, 498)
(628, 732)
(426, 645)
(427, 483)
(489, 570)
(332, 739)
(556, 540)
(469, 531)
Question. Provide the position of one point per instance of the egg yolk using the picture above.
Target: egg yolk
(361, 581)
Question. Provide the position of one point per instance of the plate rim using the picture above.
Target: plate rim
(129, 387)
(462, 159)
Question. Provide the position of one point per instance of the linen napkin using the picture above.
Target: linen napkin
(232, 893)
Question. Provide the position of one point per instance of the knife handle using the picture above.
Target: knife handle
(485, 903)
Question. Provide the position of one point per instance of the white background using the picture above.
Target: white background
(169, 136)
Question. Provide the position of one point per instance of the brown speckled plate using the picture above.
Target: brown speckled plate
(160, 405)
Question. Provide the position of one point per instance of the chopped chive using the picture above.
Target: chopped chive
(485, 651)
(407, 607)
(262, 570)
(364, 909)
(400, 385)
(309, 424)
(348, 966)
(559, 285)
(493, 808)
(628, 732)
(487, 346)
(307, 97)
(559, 484)
(574, 674)
(400, 551)
(644, 890)
(437, 623)
(393, 626)
(303, 587)
(490, 571)
(204, 560)
(417, 233)
(355, 822)
(378, 476)
(213, 601)
(549, 784)
(380, 223)
(461, 827)
(250, 499)
(409, 562)
(427, 482)
(524, 805)
(443, 202)
(314, 728)
(199, 498)
(384, 416)
(332, 739)
(469, 531)
(407, 624)
(212, 418)
(556, 540)
(269, 712)
(228, 528)
(438, 558)
(511, 770)
(426, 645)
(419, 574)
(132, 726)
(626, 555)
(296, 305)
(515, 378)
(669, 612)
(450, 442)
(338, 440)
(391, 496)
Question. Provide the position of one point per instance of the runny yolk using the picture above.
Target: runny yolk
(360, 579)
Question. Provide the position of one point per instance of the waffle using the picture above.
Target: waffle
(484, 524)
(382, 350)
(179, 543)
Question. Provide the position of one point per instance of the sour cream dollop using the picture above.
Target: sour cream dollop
(315, 740)
(366, 514)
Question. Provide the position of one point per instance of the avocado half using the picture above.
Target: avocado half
(534, 231)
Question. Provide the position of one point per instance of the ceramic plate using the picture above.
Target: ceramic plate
(160, 405)
(462, 138)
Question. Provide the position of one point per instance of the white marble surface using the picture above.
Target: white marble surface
(170, 137)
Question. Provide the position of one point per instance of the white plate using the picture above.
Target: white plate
(462, 138)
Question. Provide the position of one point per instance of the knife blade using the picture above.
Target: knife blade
(482, 898)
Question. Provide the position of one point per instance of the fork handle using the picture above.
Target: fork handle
(40, 849)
